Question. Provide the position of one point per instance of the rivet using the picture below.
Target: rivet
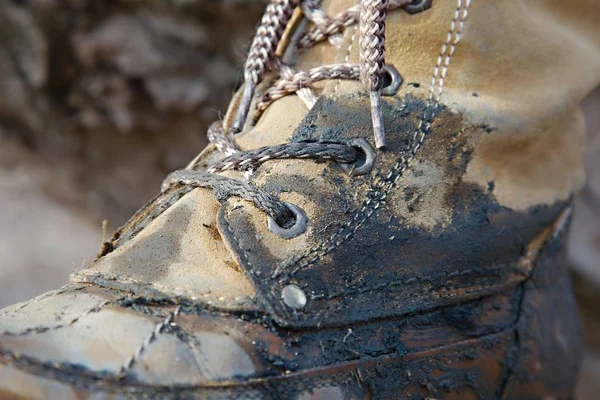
(293, 297)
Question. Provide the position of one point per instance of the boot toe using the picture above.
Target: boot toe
(95, 332)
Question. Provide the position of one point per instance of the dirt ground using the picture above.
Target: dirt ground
(108, 99)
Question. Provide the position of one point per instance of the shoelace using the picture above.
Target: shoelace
(262, 58)
(371, 15)
(224, 187)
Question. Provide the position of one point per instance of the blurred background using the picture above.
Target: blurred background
(100, 100)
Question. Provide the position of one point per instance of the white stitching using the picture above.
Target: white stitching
(416, 280)
(367, 210)
(423, 125)
(42, 297)
(148, 341)
(448, 48)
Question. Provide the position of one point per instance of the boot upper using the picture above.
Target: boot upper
(197, 290)
(451, 177)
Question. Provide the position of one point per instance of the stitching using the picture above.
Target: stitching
(42, 329)
(346, 57)
(408, 281)
(189, 340)
(397, 171)
(107, 382)
(148, 341)
(370, 205)
(42, 297)
(91, 276)
(482, 283)
(448, 48)
(442, 292)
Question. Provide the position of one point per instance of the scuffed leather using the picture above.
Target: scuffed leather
(179, 253)
(439, 274)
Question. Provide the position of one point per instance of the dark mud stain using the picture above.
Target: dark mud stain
(328, 121)
(482, 233)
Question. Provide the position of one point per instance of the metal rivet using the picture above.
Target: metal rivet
(395, 81)
(298, 228)
(366, 166)
(293, 297)
(417, 6)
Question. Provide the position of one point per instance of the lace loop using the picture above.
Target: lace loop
(283, 214)
(224, 188)
(217, 136)
(297, 81)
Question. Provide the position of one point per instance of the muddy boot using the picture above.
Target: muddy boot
(367, 222)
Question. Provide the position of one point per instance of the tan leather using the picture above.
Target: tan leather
(523, 80)
(179, 253)
(69, 317)
(509, 108)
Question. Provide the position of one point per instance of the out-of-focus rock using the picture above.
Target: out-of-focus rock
(584, 253)
(99, 101)
(113, 95)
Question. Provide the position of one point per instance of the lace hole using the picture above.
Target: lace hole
(296, 229)
(418, 6)
(365, 158)
(392, 80)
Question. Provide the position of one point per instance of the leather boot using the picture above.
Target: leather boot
(381, 214)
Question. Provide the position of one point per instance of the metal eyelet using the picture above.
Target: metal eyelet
(298, 228)
(366, 166)
(417, 6)
(395, 81)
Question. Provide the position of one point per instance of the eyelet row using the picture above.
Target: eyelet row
(292, 295)
(362, 167)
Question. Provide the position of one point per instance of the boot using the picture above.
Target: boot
(381, 214)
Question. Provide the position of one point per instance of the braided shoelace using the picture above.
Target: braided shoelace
(262, 58)
(371, 15)
(224, 187)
